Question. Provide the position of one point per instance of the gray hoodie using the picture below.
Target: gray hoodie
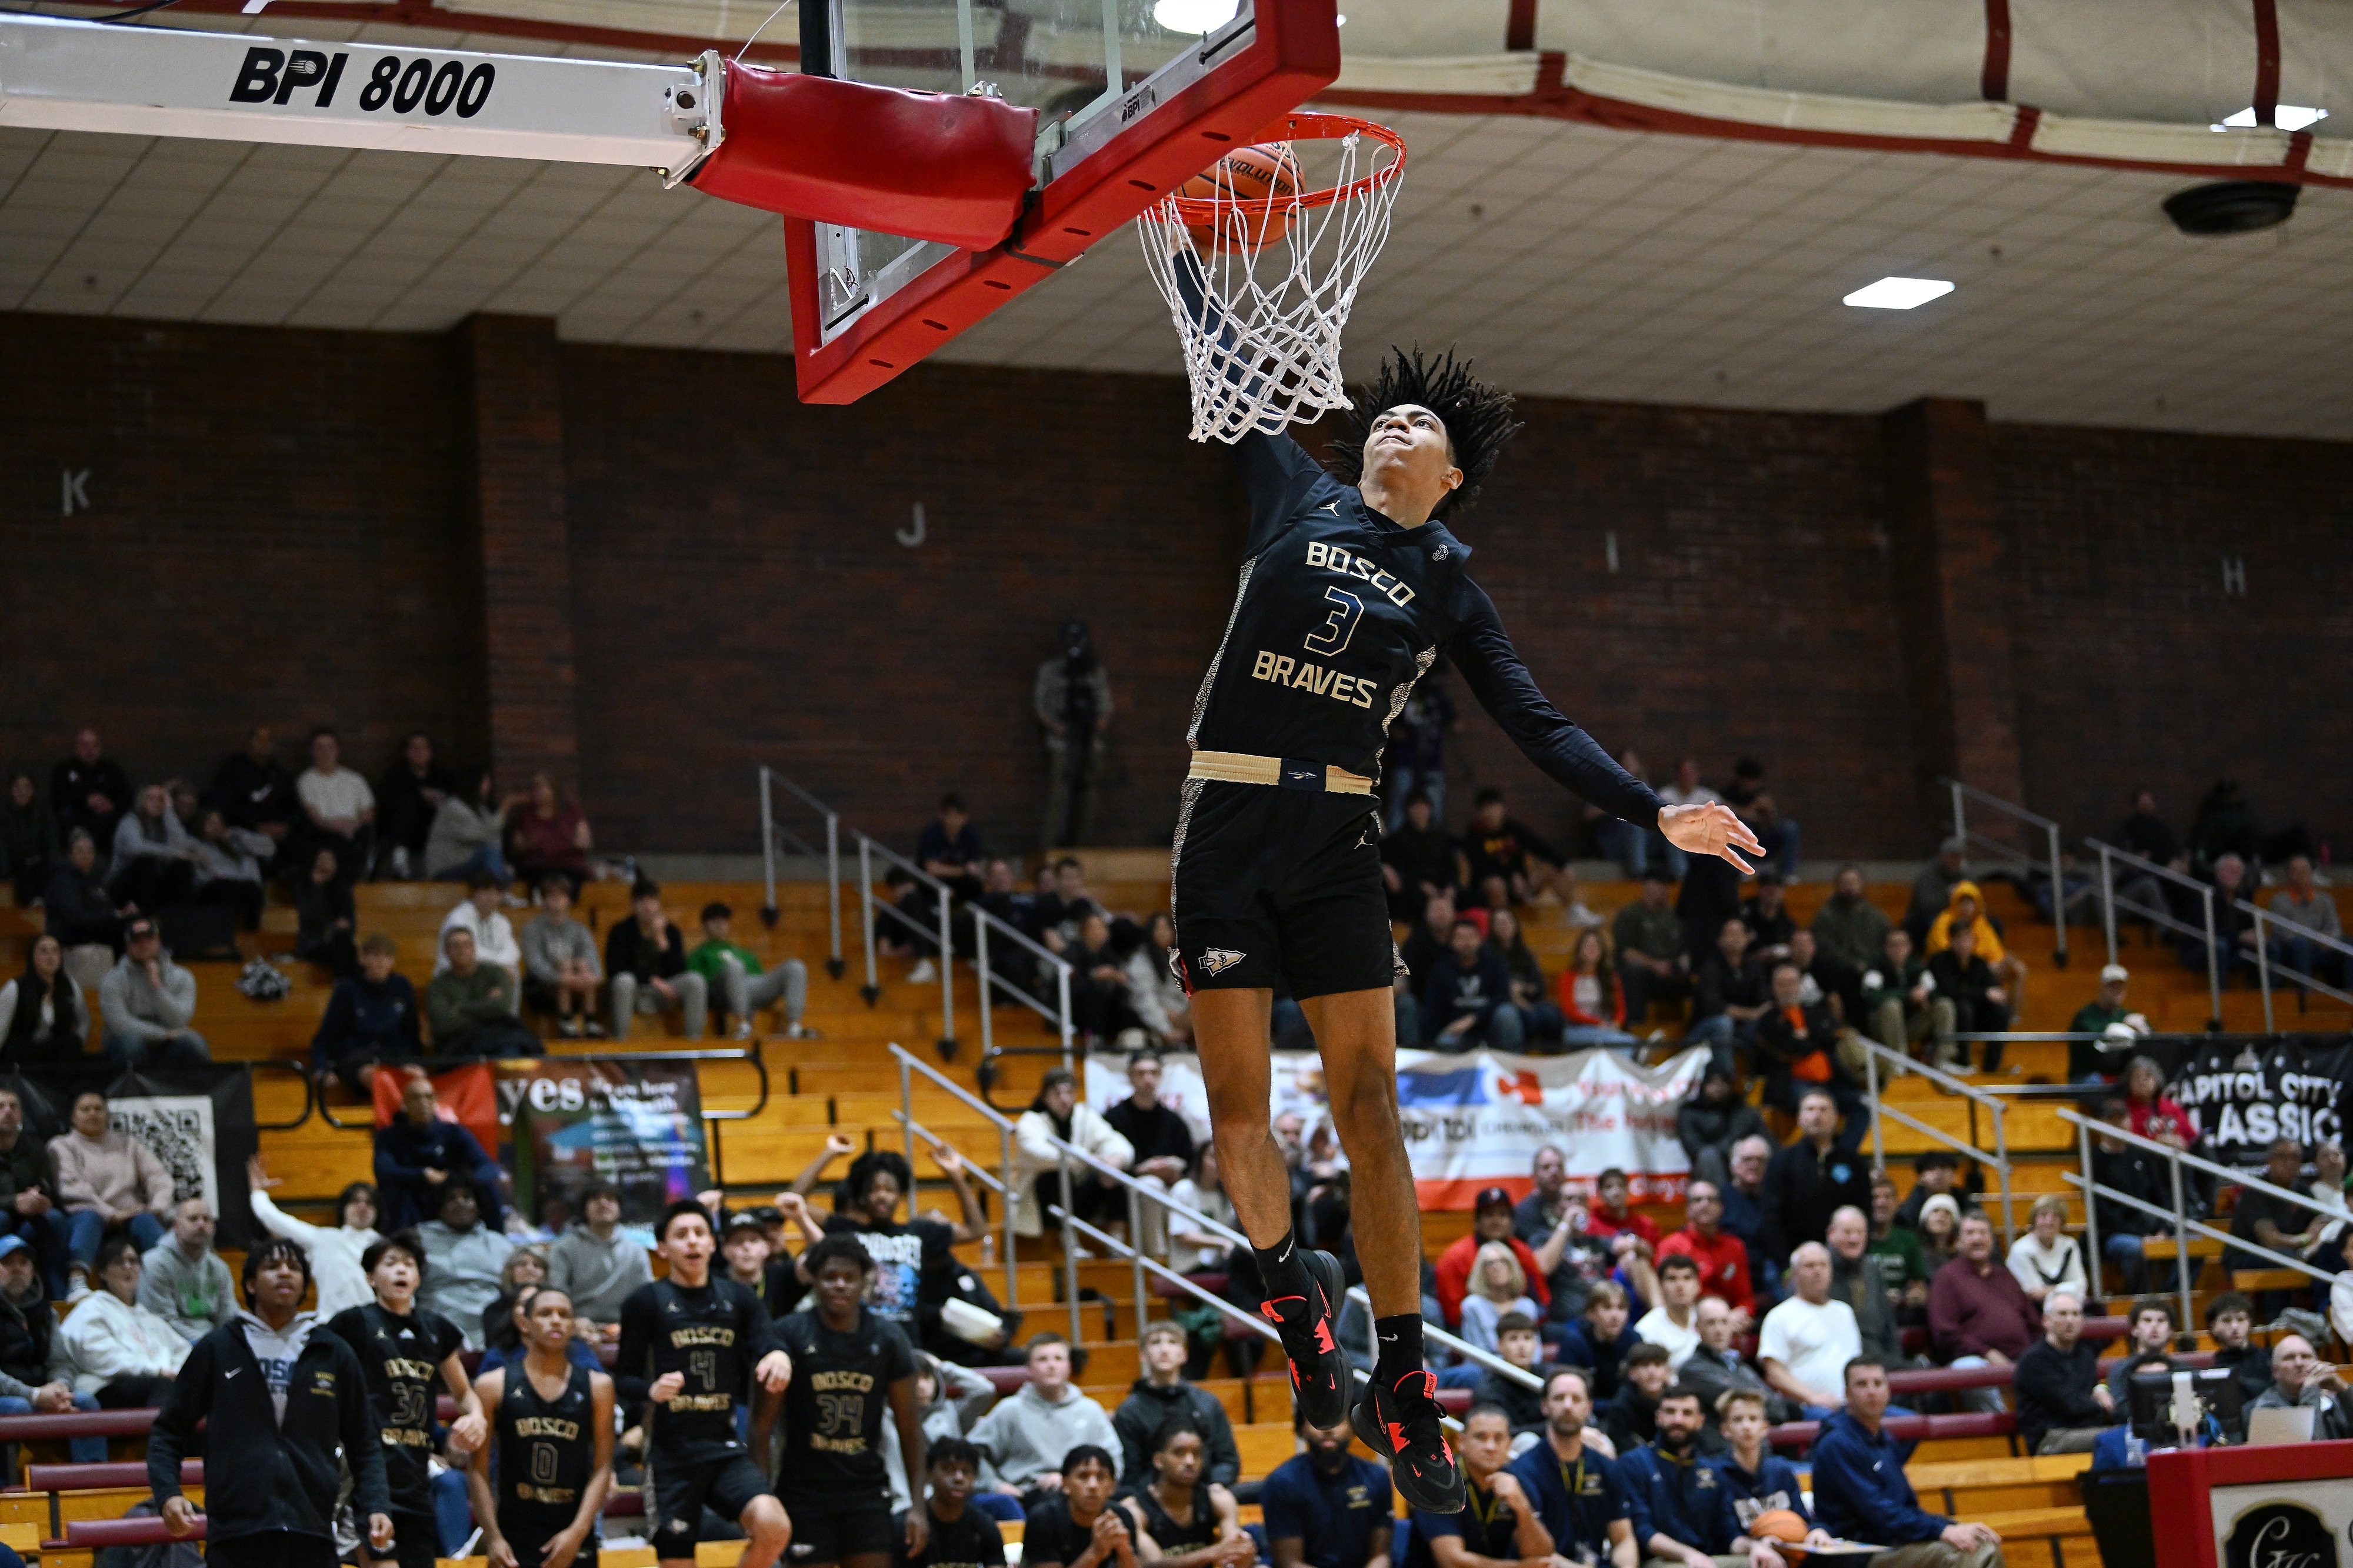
(598, 1275)
(549, 943)
(134, 1006)
(276, 1350)
(194, 1296)
(1024, 1436)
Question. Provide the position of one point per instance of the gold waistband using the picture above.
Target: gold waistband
(1242, 767)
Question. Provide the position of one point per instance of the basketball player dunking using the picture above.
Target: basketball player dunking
(1351, 588)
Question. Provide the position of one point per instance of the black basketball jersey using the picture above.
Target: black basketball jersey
(840, 1396)
(1176, 1536)
(546, 1452)
(1340, 611)
(716, 1334)
(402, 1357)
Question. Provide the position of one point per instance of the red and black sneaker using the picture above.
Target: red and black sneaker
(1319, 1370)
(1403, 1424)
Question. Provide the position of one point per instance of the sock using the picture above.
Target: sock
(1399, 1339)
(1284, 1273)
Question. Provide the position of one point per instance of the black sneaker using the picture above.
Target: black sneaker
(1320, 1375)
(1404, 1425)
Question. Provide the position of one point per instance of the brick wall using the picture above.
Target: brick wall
(284, 526)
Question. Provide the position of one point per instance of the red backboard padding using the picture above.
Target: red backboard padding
(929, 165)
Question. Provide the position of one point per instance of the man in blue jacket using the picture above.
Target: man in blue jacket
(418, 1155)
(1861, 1492)
(1679, 1503)
(287, 1406)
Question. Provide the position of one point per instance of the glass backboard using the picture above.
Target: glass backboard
(1134, 97)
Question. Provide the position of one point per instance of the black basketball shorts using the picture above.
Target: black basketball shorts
(830, 1530)
(727, 1484)
(1280, 889)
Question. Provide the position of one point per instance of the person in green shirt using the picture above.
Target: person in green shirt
(1652, 964)
(1905, 1268)
(2099, 1061)
(734, 974)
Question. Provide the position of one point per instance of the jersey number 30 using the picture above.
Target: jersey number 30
(1339, 626)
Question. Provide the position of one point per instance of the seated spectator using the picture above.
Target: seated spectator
(2151, 1113)
(1498, 1523)
(1599, 1343)
(146, 1001)
(75, 907)
(958, 1529)
(1743, 1207)
(2120, 1030)
(1720, 1257)
(105, 1178)
(1099, 991)
(1822, 982)
(1682, 1511)
(550, 837)
(1518, 1344)
(2149, 1347)
(598, 1263)
(1978, 1314)
(371, 1015)
(1573, 1477)
(1759, 1481)
(1766, 915)
(2277, 1224)
(1056, 1114)
(1539, 1019)
(1799, 1044)
(1468, 999)
(1076, 1523)
(1967, 911)
(1326, 1507)
(31, 847)
(1716, 1116)
(482, 912)
(1592, 1008)
(1026, 1441)
(735, 973)
(949, 848)
(1552, 1220)
(30, 1380)
(1754, 805)
(28, 1191)
(1653, 963)
(43, 1018)
(1492, 1220)
(1850, 931)
(116, 1350)
(154, 860)
(2302, 911)
(1673, 1324)
(1193, 1250)
(1729, 996)
(1424, 947)
(1857, 1279)
(334, 1252)
(1940, 1233)
(1861, 1492)
(645, 961)
(463, 1261)
(1499, 1288)
(2302, 1381)
(1808, 1337)
(89, 790)
(2234, 928)
(1812, 1178)
(1155, 994)
(2231, 1319)
(183, 1281)
(1160, 1144)
(471, 1006)
(1981, 1004)
(253, 790)
(1612, 1212)
(230, 867)
(2046, 1258)
(1933, 1171)
(340, 806)
(410, 793)
(418, 1154)
(1900, 999)
(468, 834)
(1715, 1369)
(1932, 890)
(1417, 860)
(326, 915)
(1161, 1397)
(1506, 862)
(561, 972)
(1902, 1260)
(507, 1318)
(1630, 1416)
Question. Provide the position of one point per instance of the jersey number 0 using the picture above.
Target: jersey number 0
(1339, 624)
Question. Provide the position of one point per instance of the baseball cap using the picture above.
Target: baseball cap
(139, 927)
(745, 1221)
(2115, 975)
(1490, 1197)
(9, 1244)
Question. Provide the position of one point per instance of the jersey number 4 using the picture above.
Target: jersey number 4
(1339, 624)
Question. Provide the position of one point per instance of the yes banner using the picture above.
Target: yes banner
(1477, 1120)
(637, 1125)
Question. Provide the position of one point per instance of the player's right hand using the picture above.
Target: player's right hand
(179, 1516)
(501, 1555)
(1709, 827)
(667, 1387)
(561, 1548)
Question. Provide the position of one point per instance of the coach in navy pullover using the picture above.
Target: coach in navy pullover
(1859, 1490)
(1671, 1491)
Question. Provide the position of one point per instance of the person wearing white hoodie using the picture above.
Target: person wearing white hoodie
(1023, 1440)
(335, 1253)
(1038, 1165)
(111, 1346)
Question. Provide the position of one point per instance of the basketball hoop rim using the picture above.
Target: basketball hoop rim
(1301, 126)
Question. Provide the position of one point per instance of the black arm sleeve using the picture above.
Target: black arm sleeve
(1497, 677)
(639, 1321)
(174, 1432)
(362, 1445)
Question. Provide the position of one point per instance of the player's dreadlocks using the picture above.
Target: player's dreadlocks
(1478, 418)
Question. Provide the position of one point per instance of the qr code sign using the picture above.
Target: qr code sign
(179, 1129)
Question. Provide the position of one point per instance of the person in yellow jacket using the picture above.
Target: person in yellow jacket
(1967, 908)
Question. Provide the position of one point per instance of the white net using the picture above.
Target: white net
(1260, 322)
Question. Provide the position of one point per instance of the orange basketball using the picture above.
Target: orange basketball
(1246, 174)
(1784, 1529)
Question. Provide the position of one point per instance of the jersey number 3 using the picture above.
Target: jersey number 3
(1339, 626)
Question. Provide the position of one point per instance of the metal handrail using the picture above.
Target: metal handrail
(2087, 1129)
(733, 1054)
(2264, 964)
(770, 830)
(1432, 1333)
(1872, 1051)
(2109, 854)
(1963, 793)
(872, 990)
(909, 1064)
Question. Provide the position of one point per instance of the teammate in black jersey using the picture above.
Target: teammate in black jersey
(552, 1437)
(409, 1353)
(693, 1347)
(956, 1534)
(1182, 1520)
(848, 1362)
(1351, 588)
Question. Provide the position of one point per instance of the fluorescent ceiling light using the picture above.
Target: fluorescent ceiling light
(1899, 293)
(2286, 116)
(1203, 17)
